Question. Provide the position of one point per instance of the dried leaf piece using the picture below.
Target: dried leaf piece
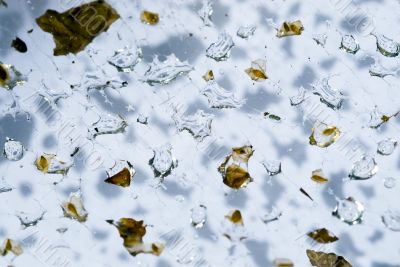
(49, 163)
(272, 116)
(323, 236)
(318, 177)
(257, 70)
(132, 232)
(19, 45)
(323, 135)
(322, 259)
(75, 28)
(10, 76)
(11, 246)
(123, 177)
(235, 217)
(3, 3)
(74, 208)
(281, 262)
(208, 76)
(233, 226)
(290, 28)
(149, 17)
(236, 177)
(242, 154)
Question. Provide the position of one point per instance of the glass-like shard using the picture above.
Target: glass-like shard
(273, 167)
(142, 119)
(234, 175)
(322, 259)
(389, 182)
(220, 50)
(272, 215)
(121, 174)
(198, 216)
(386, 46)
(75, 28)
(19, 45)
(391, 219)
(290, 28)
(74, 209)
(31, 219)
(49, 163)
(364, 168)
(299, 98)
(349, 44)
(209, 75)
(125, 59)
(257, 70)
(13, 150)
(320, 39)
(10, 76)
(132, 232)
(378, 70)
(333, 98)
(387, 146)
(163, 162)
(323, 236)
(349, 210)
(11, 246)
(108, 124)
(4, 186)
(323, 135)
(377, 118)
(246, 31)
(205, 12)
(282, 262)
(319, 177)
(233, 226)
(149, 17)
(198, 124)
(219, 97)
(166, 71)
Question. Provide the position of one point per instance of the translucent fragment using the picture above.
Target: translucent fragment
(386, 46)
(75, 28)
(142, 119)
(290, 28)
(220, 50)
(318, 177)
(379, 71)
(387, 146)
(273, 167)
(281, 262)
(257, 70)
(333, 98)
(121, 174)
(364, 168)
(246, 31)
(198, 124)
(149, 17)
(74, 209)
(166, 71)
(233, 174)
(389, 182)
(323, 236)
(198, 216)
(299, 98)
(30, 219)
(208, 76)
(322, 259)
(49, 163)
(10, 76)
(323, 135)
(377, 118)
(272, 215)
(349, 210)
(13, 150)
(205, 12)
(320, 39)
(11, 246)
(132, 232)
(391, 219)
(349, 44)
(125, 59)
(219, 97)
(108, 124)
(233, 226)
(4, 186)
(163, 161)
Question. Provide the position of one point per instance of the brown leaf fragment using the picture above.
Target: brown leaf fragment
(236, 177)
(208, 76)
(10, 246)
(235, 217)
(132, 232)
(74, 209)
(290, 28)
(149, 17)
(75, 28)
(281, 262)
(122, 178)
(323, 236)
(257, 70)
(318, 177)
(322, 259)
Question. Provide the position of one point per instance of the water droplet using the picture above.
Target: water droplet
(13, 150)
(220, 50)
(273, 167)
(108, 124)
(333, 98)
(364, 169)
(219, 97)
(389, 182)
(162, 161)
(349, 44)
(205, 12)
(198, 124)
(125, 59)
(299, 98)
(386, 46)
(349, 210)
(198, 216)
(391, 219)
(386, 147)
(246, 31)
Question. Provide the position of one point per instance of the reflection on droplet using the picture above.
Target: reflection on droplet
(221, 49)
(349, 210)
(391, 219)
(332, 97)
(349, 44)
(386, 147)
(387, 46)
(364, 168)
(13, 150)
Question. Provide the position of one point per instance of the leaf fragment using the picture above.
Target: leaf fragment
(322, 259)
(323, 236)
(149, 17)
(290, 28)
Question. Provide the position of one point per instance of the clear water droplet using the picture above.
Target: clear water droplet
(386, 147)
(220, 50)
(389, 182)
(273, 167)
(387, 46)
(246, 31)
(333, 98)
(391, 219)
(349, 210)
(198, 124)
(364, 168)
(349, 44)
(219, 97)
(13, 150)
(198, 216)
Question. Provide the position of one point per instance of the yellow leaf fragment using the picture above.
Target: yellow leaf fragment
(323, 236)
(74, 209)
(290, 28)
(322, 259)
(318, 177)
(281, 262)
(236, 177)
(49, 163)
(11, 246)
(4, 75)
(208, 76)
(324, 135)
(149, 17)
(122, 178)
(257, 70)
(235, 217)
